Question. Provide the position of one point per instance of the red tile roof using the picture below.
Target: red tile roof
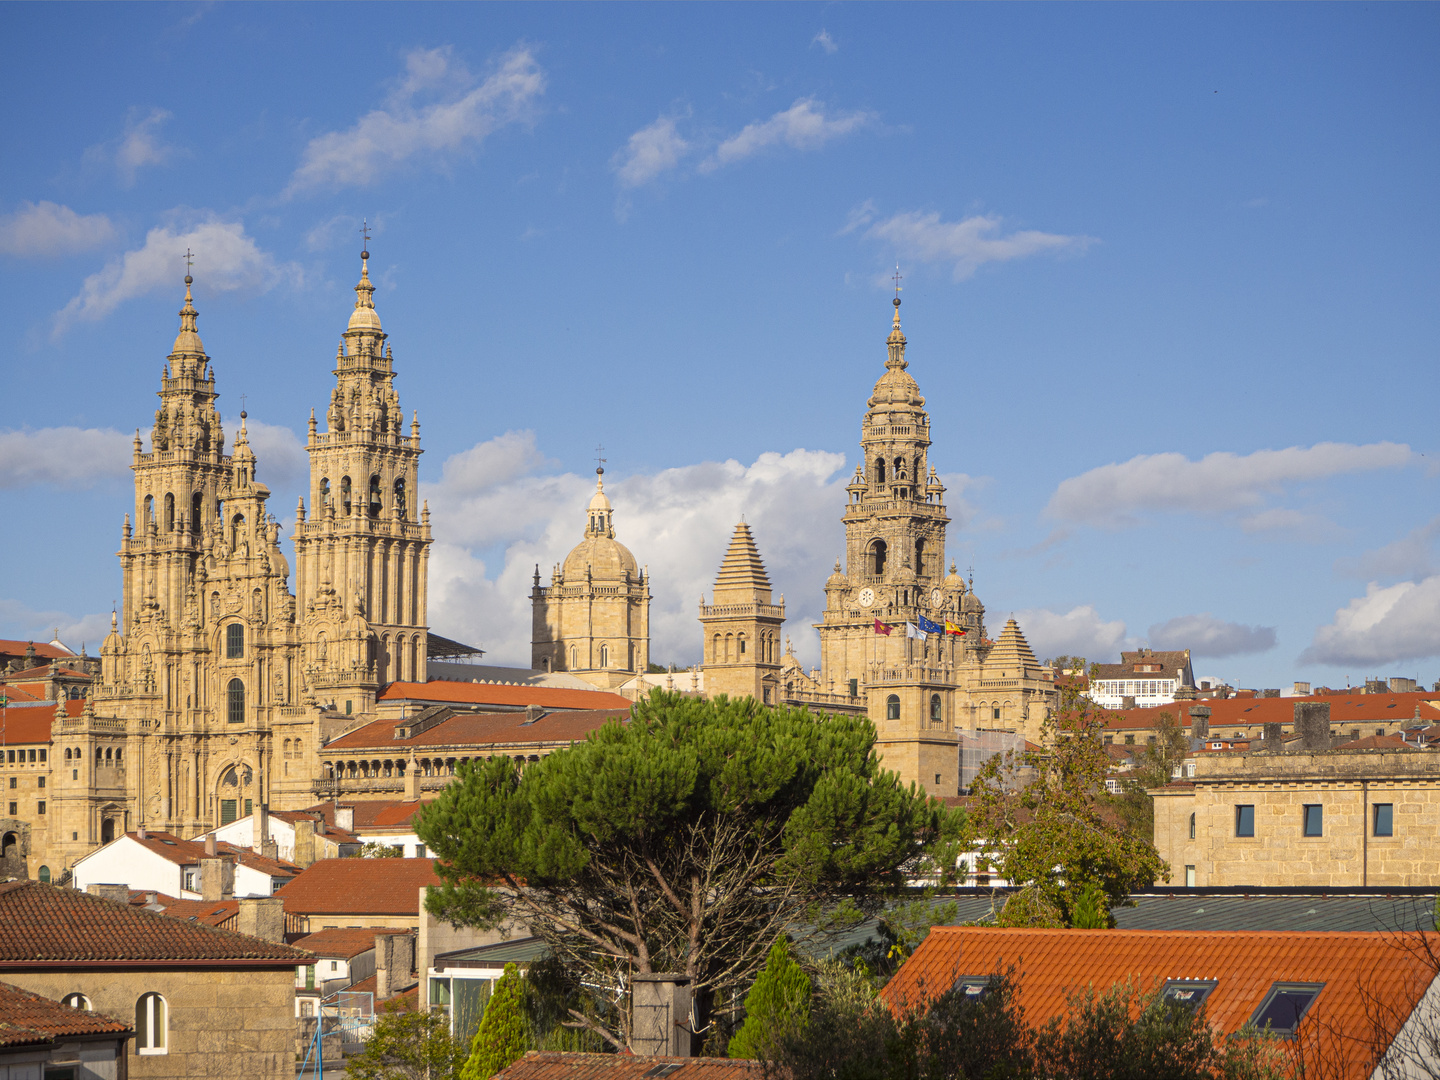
(188, 852)
(31, 723)
(548, 1065)
(1377, 742)
(1052, 963)
(45, 651)
(19, 693)
(342, 942)
(326, 813)
(359, 887)
(1353, 708)
(28, 1019)
(370, 813)
(43, 924)
(41, 673)
(209, 912)
(484, 729)
(466, 693)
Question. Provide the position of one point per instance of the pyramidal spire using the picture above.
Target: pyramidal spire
(1011, 647)
(187, 342)
(742, 578)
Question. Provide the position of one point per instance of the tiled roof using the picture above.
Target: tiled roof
(1227, 712)
(42, 924)
(484, 729)
(28, 1019)
(1171, 664)
(38, 674)
(44, 651)
(1052, 963)
(370, 813)
(19, 693)
(549, 1065)
(209, 912)
(1377, 742)
(359, 887)
(460, 693)
(30, 725)
(188, 852)
(342, 942)
(326, 813)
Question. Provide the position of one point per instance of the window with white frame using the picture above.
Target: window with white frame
(152, 1025)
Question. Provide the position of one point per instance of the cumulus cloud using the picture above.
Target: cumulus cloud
(19, 622)
(1387, 625)
(500, 515)
(1412, 556)
(803, 126)
(138, 146)
(652, 150)
(1113, 496)
(226, 259)
(1205, 635)
(46, 228)
(404, 128)
(1078, 632)
(826, 42)
(281, 461)
(66, 457)
(964, 245)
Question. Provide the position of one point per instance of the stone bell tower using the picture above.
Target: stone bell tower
(742, 626)
(361, 556)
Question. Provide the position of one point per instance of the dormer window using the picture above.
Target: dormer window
(1284, 1007)
(1188, 992)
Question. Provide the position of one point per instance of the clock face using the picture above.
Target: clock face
(937, 598)
(867, 597)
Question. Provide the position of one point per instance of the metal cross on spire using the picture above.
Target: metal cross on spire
(365, 233)
(898, 278)
(189, 260)
(600, 459)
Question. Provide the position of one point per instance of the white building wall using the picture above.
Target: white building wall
(125, 862)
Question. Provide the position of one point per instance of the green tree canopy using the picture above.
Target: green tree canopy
(778, 1002)
(1055, 835)
(504, 1032)
(683, 840)
(408, 1045)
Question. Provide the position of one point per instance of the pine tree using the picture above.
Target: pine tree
(778, 1002)
(503, 1034)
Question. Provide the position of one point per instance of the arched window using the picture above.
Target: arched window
(937, 711)
(729, 641)
(920, 557)
(402, 509)
(574, 658)
(324, 492)
(900, 468)
(1192, 826)
(235, 707)
(149, 511)
(892, 707)
(604, 655)
(118, 757)
(67, 753)
(877, 558)
(235, 641)
(75, 1001)
(44, 875)
(740, 645)
(880, 470)
(196, 502)
(99, 755)
(237, 530)
(345, 495)
(152, 1024)
(375, 502)
(715, 650)
(169, 512)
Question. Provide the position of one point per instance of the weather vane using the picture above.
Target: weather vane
(600, 459)
(189, 261)
(365, 232)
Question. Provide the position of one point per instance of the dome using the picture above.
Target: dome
(896, 387)
(605, 557)
(971, 603)
(954, 581)
(364, 316)
(837, 578)
(187, 342)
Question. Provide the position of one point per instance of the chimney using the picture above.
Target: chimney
(394, 960)
(1312, 724)
(412, 780)
(345, 817)
(261, 917)
(533, 713)
(1127, 703)
(217, 879)
(1274, 740)
(210, 845)
(261, 832)
(1199, 721)
(140, 832)
(661, 1005)
(304, 842)
(119, 894)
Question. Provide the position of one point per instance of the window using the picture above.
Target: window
(605, 655)
(234, 641)
(1285, 1006)
(440, 992)
(1129, 740)
(995, 713)
(236, 709)
(974, 987)
(1188, 992)
(1314, 819)
(44, 875)
(42, 781)
(152, 1024)
(937, 712)
(1192, 826)
(1384, 819)
(419, 851)
(892, 708)
(1190, 877)
(77, 1001)
(1245, 820)
(14, 782)
(227, 811)
(334, 965)
(40, 807)
(14, 809)
(309, 977)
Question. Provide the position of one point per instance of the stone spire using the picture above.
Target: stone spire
(599, 514)
(742, 578)
(187, 343)
(364, 316)
(896, 342)
(1011, 648)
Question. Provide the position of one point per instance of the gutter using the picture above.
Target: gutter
(148, 965)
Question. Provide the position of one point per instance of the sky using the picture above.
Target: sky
(1169, 282)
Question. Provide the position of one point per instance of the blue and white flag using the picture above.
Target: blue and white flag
(928, 627)
(911, 630)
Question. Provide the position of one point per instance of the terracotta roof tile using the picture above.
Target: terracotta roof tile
(1227, 712)
(1051, 963)
(544, 1065)
(36, 674)
(466, 693)
(19, 693)
(369, 813)
(484, 729)
(28, 1019)
(43, 650)
(188, 852)
(46, 924)
(326, 813)
(209, 912)
(359, 887)
(31, 723)
(342, 942)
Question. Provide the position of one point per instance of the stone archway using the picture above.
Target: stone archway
(14, 848)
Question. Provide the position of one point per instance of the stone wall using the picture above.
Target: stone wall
(224, 1022)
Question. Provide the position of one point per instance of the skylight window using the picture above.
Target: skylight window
(974, 987)
(1285, 1006)
(1189, 992)
(665, 1068)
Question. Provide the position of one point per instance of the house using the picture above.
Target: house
(547, 1065)
(357, 893)
(1336, 998)
(165, 863)
(354, 960)
(297, 836)
(460, 982)
(42, 1037)
(1143, 677)
(201, 1001)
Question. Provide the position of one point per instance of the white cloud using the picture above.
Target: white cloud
(1078, 632)
(1385, 626)
(138, 146)
(67, 457)
(1412, 556)
(403, 129)
(826, 42)
(649, 152)
(967, 244)
(803, 126)
(499, 519)
(281, 461)
(22, 623)
(46, 228)
(1112, 496)
(225, 259)
(1205, 635)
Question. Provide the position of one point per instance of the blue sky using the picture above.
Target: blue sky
(1170, 284)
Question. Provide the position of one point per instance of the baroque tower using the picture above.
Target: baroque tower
(361, 557)
(742, 626)
(593, 619)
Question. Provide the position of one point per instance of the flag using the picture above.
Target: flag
(912, 631)
(928, 627)
(881, 628)
(952, 628)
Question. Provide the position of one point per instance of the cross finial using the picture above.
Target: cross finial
(189, 260)
(365, 233)
(600, 460)
(897, 279)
